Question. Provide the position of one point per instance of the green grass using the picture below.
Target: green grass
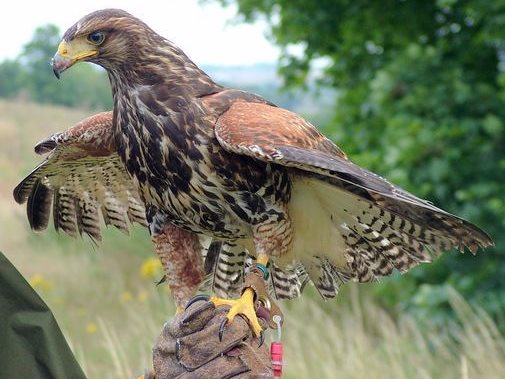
(111, 313)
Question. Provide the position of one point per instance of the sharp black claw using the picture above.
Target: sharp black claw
(261, 338)
(221, 329)
(195, 299)
(162, 280)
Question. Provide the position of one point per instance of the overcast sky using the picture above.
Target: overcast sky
(204, 32)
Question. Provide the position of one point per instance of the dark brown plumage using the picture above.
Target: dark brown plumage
(256, 179)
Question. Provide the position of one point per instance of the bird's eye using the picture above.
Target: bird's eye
(96, 38)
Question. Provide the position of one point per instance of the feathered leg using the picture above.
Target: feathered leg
(180, 255)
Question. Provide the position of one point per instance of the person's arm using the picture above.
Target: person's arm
(31, 343)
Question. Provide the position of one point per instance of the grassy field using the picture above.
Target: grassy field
(110, 310)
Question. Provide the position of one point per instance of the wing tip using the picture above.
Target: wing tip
(17, 194)
(22, 191)
(475, 239)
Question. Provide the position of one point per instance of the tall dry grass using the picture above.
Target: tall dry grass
(110, 310)
(362, 340)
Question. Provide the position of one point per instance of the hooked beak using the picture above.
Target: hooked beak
(60, 64)
(70, 53)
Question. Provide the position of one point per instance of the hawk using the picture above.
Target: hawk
(230, 166)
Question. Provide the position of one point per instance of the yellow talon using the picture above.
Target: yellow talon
(244, 306)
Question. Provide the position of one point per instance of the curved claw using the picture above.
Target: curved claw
(195, 299)
(243, 306)
(261, 338)
(221, 329)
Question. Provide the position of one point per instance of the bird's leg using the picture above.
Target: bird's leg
(179, 252)
(273, 237)
(247, 304)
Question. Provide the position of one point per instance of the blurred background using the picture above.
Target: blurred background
(413, 90)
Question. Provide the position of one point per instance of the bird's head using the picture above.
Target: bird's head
(108, 37)
(131, 52)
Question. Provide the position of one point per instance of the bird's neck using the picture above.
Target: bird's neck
(159, 79)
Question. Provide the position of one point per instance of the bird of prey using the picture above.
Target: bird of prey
(228, 165)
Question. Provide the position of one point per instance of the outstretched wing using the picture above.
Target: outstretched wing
(276, 135)
(81, 177)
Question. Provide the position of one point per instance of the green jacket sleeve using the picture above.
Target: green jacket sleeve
(31, 343)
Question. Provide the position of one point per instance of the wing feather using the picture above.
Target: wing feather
(39, 205)
(278, 136)
(81, 178)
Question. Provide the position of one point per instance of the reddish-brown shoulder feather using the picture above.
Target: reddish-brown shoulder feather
(259, 129)
(277, 135)
(91, 136)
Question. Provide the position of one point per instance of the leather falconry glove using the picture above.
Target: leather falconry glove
(190, 347)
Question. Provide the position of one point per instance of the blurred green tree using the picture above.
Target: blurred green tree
(35, 59)
(421, 101)
(11, 78)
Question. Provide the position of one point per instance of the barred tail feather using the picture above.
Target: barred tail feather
(288, 282)
(226, 264)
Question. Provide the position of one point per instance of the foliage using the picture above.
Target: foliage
(421, 101)
(30, 74)
(11, 78)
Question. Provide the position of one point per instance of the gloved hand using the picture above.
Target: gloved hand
(189, 347)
